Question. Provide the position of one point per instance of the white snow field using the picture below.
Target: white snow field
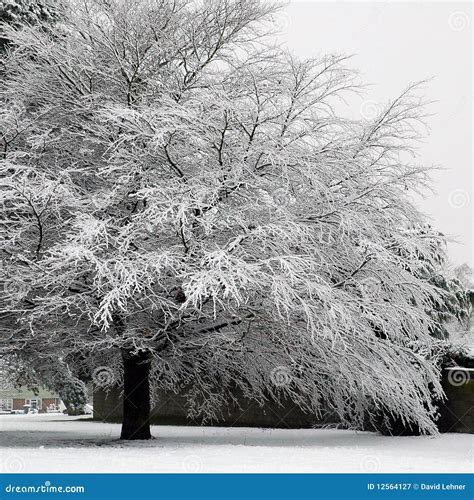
(58, 443)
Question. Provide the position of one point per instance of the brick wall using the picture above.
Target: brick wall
(49, 401)
(17, 404)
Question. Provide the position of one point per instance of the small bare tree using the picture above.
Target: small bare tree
(178, 191)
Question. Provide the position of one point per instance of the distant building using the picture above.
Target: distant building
(42, 400)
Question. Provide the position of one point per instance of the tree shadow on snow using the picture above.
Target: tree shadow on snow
(166, 437)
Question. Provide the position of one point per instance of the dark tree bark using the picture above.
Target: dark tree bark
(136, 396)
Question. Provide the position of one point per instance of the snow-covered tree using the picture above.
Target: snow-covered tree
(20, 12)
(453, 306)
(180, 192)
(25, 369)
(462, 334)
(465, 275)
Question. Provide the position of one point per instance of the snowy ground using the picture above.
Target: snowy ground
(57, 443)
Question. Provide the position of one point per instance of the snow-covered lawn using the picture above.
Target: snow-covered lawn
(57, 443)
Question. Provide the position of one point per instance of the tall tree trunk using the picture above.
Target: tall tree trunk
(136, 396)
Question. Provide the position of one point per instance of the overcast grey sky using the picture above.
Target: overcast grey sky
(396, 43)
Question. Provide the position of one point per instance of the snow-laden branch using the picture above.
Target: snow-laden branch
(173, 186)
